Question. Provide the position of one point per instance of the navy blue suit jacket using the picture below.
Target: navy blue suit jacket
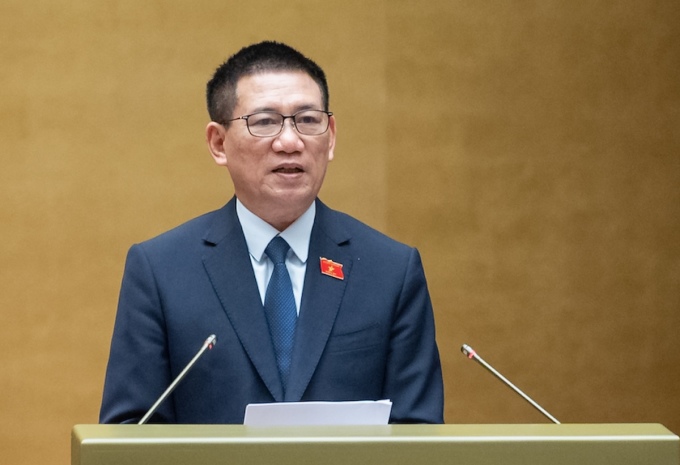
(368, 336)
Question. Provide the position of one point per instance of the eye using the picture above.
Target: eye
(264, 119)
(308, 117)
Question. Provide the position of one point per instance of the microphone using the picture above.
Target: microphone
(471, 354)
(208, 344)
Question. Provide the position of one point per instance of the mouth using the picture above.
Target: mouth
(288, 170)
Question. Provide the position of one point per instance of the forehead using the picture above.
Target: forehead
(277, 90)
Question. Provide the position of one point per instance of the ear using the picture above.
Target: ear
(331, 141)
(215, 135)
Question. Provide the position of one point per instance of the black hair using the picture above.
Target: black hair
(264, 56)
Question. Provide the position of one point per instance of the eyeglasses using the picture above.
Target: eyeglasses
(270, 123)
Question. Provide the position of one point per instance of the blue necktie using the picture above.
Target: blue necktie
(279, 305)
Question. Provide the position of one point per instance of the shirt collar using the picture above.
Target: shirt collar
(259, 233)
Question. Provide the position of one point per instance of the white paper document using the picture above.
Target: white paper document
(319, 413)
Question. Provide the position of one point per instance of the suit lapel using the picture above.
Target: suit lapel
(321, 299)
(230, 271)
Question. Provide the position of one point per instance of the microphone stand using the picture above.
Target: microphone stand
(471, 354)
(208, 344)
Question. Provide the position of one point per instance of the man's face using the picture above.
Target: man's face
(278, 177)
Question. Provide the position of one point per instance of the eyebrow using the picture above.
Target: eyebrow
(295, 110)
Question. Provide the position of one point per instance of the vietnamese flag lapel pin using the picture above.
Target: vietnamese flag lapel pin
(331, 268)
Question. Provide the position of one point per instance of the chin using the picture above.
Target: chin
(296, 195)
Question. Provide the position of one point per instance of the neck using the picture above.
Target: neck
(279, 218)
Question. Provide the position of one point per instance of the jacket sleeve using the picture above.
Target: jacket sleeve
(138, 370)
(414, 378)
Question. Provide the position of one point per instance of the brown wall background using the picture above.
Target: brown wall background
(529, 149)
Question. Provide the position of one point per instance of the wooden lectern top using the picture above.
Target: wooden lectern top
(582, 444)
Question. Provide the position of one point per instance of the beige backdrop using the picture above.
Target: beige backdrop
(530, 150)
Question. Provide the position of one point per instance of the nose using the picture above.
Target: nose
(288, 140)
(290, 120)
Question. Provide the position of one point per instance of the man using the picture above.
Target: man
(345, 315)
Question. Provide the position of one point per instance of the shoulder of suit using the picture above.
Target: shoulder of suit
(194, 229)
(341, 224)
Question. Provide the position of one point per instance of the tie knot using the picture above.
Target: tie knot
(277, 250)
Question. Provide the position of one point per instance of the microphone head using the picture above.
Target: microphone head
(467, 351)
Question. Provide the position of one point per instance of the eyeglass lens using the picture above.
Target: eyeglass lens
(308, 122)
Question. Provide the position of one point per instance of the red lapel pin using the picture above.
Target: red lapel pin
(331, 268)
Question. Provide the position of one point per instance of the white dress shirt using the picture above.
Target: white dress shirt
(259, 233)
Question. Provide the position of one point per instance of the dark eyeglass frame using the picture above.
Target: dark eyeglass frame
(283, 121)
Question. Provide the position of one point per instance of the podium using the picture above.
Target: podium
(582, 444)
